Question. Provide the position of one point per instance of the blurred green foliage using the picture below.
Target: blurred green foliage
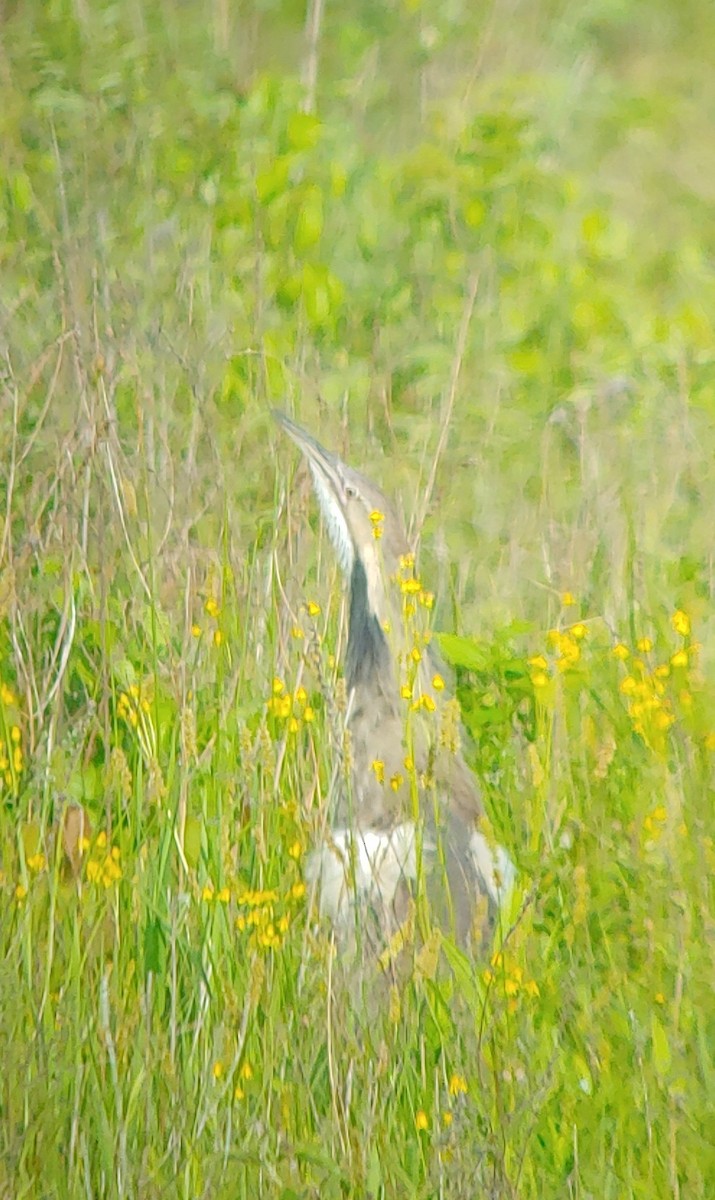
(495, 221)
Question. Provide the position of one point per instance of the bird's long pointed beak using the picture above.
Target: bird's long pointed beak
(318, 458)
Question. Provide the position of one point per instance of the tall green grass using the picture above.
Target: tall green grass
(445, 266)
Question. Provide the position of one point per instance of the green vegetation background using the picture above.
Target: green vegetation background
(470, 239)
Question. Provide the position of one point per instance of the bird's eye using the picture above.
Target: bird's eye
(350, 491)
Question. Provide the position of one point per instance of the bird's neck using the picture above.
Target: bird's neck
(367, 662)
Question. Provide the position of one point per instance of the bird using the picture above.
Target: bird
(412, 813)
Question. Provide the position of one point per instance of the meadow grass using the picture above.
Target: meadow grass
(428, 243)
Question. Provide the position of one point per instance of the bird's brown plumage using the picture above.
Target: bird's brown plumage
(414, 808)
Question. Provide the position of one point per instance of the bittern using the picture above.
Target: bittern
(413, 809)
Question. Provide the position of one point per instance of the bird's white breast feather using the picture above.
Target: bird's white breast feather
(381, 860)
(367, 866)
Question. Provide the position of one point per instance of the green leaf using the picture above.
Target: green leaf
(303, 131)
(154, 947)
(309, 224)
(192, 841)
(462, 651)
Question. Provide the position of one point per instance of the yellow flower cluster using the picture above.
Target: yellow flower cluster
(266, 915)
(103, 865)
(245, 1074)
(511, 978)
(132, 704)
(11, 757)
(457, 1085)
(209, 893)
(649, 708)
(212, 609)
(293, 708)
(565, 645)
(655, 692)
(654, 823)
(650, 688)
(376, 520)
(411, 587)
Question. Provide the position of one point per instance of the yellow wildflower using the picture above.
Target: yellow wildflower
(212, 607)
(313, 609)
(410, 587)
(458, 1085)
(378, 768)
(644, 645)
(681, 622)
(620, 652)
(679, 659)
(421, 1121)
